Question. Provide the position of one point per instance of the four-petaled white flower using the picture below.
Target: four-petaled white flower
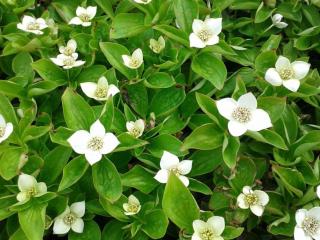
(100, 91)
(33, 25)
(170, 163)
(135, 128)
(70, 49)
(29, 187)
(71, 218)
(135, 60)
(157, 45)
(67, 62)
(142, 1)
(256, 200)
(287, 74)
(84, 16)
(205, 32)
(243, 114)
(93, 144)
(132, 207)
(209, 230)
(276, 21)
(308, 224)
(5, 129)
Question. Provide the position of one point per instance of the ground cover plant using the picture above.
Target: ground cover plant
(159, 119)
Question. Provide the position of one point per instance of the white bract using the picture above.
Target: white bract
(142, 1)
(100, 91)
(287, 74)
(205, 32)
(256, 200)
(243, 114)
(33, 25)
(70, 49)
(132, 207)
(71, 218)
(93, 144)
(135, 128)
(67, 62)
(276, 21)
(318, 191)
(209, 230)
(29, 187)
(6, 128)
(135, 60)
(157, 45)
(308, 224)
(170, 163)
(84, 16)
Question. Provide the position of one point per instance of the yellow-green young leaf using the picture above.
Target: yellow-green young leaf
(32, 221)
(179, 205)
(156, 223)
(186, 12)
(206, 137)
(211, 68)
(73, 171)
(77, 112)
(106, 180)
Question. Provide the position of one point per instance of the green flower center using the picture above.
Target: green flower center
(204, 35)
(286, 73)
(310, 225)
(33, 26)
(95, 144)
(156, 47)
(32, 192)
(69, 219)
(207, 234)
(84, 17)
(134, 62)
(135, 132)
(101, 92)
(69, 61)
(252, 199)
(241, 114)
(68, 51)
(2, 131)
(133, 208)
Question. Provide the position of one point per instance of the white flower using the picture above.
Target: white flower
(71, 218)
(170, 163)
(93, 144)
(5, 129)
(142, 1)
(276, 21)
(318, 191)
(243, 114)
(157, 45)
(67, 62)
(256, 200)
(100, 91)
(29, 187)
(308, 224)
(70, 49)
(209, 230)
(205, 32)
(135, 128)
(84, 16)
(132, 207)
(33, 25)
(133, 61)
(287, 74)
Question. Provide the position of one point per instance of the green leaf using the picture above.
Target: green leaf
(273, 105)
(128, 142)
(12, 89)
(186, 12)
(230, 150)
(11, 161)
(50, 72)
(208, 106)
(265, 60)
(73, 171)
(77, 112)
(106, 6)
(32, 221)
(140, 179)
(159, 80)
(206, 137)
(268, 136)
(211, 68)
(91, 231)
(173, 33)
(113, 52)
(309, 141)
(176, 199)
(115, 209)
(127, 25)
(197, 186)
(156, 224)
(106, 180)
(232, 232)
(138, 98)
